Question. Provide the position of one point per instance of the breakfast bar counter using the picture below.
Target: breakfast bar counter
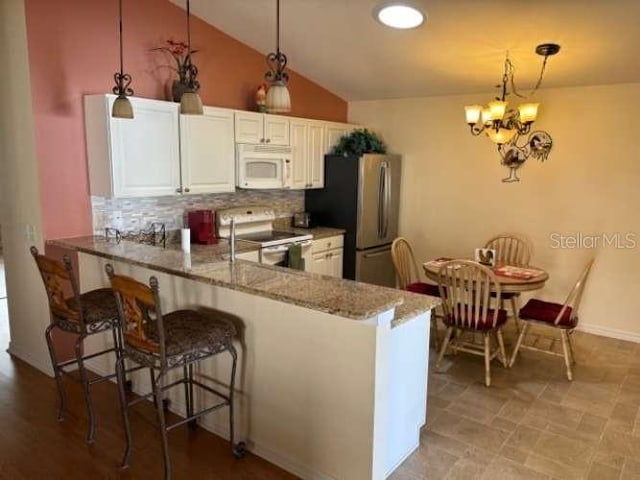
(332, 373)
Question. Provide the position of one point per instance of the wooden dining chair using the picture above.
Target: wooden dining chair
(511, 249)
(563, 317)
(465, 289)
(408, 277)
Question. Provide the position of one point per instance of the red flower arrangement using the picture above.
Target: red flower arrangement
(186, 70)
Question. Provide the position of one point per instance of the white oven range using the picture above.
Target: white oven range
(254, 224)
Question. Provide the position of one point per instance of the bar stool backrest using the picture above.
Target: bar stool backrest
(465, 289)
(404, 263)
(139, 310)
(510, 249)
(59, 279)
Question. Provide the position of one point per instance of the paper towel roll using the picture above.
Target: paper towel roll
(185, 238)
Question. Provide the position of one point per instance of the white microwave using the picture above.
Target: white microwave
(263, 166)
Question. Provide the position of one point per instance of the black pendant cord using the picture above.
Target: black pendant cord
(277, 62)
(123, 80)
(191, 69)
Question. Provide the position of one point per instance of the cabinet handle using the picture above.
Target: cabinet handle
(179, 190)
(329, 245)
(187, 189)
(268, 140)
(262, 140)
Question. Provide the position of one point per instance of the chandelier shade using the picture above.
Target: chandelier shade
(278, 99)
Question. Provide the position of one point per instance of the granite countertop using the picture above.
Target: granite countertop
(209, 264)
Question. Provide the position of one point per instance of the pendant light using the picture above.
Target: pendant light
(190, 102)
(122, 106)
(278, 99)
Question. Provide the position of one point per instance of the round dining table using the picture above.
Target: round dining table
(512, 278)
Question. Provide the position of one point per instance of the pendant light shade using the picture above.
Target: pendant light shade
(190, 102)
(122, 106)
(278, 99)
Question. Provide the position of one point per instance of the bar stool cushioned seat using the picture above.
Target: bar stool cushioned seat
(98, 306)
(424, 288)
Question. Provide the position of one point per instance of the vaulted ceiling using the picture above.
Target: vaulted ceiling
(459, 49)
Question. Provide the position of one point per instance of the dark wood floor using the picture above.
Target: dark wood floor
(34, 445)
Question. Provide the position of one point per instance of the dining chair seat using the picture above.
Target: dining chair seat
(484, 322)
(547, 312)
(424, 288)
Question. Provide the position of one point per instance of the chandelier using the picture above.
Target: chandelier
(505, 126)
(278, 99)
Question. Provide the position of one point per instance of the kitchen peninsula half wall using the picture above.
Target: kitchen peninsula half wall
(132, 214)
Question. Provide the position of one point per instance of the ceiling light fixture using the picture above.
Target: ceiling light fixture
(190, 102)
(278, 99)
(504, 126)
(122, 106)
(399, 15)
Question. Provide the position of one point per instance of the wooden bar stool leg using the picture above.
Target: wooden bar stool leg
(565, 349)
(62, 395)
(124, 410)
(159, 393)
(91, 434)
(487, 360)
(573, 357)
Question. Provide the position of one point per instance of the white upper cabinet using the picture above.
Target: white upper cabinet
(334, 132)
(255, 128)
(307, 140)
(207, 152)
(132, 158)
(159, 152)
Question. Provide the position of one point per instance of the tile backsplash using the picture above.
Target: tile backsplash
(130, 214)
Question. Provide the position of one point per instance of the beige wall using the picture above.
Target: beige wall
(453, 199)
(19, 193)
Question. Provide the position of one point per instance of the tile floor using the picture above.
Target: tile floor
(532, 423)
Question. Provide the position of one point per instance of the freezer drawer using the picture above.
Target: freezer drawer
(375, 266)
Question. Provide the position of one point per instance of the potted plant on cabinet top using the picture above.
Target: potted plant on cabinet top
(187, 71)
(358, 142)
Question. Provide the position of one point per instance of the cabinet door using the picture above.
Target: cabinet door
(249, 127)
(299, 141)
(276, 130)
(207, 152)
(335, 263)
(333, 133)
(144, 151)
(315, 155)
(319, 264)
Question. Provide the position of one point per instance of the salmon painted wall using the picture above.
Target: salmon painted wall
(73, 51)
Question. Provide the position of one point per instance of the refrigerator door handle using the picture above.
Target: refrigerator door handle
(387, 198)
(381, 199)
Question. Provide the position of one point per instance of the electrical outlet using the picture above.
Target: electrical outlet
(30, 233)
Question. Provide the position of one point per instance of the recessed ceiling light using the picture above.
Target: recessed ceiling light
(399, 15)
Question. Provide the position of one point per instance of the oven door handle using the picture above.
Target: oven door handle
(275, 249)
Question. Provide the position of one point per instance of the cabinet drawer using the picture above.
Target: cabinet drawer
(327, 243)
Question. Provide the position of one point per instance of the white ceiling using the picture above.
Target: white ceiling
(459, 49)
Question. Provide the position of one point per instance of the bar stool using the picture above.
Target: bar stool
(83, 314)
(162, 342)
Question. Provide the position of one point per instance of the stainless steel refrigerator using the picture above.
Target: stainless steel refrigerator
(361, 195)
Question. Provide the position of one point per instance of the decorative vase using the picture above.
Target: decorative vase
(177, 89)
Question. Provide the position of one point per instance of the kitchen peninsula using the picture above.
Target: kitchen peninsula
(333, 373)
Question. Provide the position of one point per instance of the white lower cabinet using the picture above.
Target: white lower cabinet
(327, 256)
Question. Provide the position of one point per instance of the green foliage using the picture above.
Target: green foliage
(358, 142)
